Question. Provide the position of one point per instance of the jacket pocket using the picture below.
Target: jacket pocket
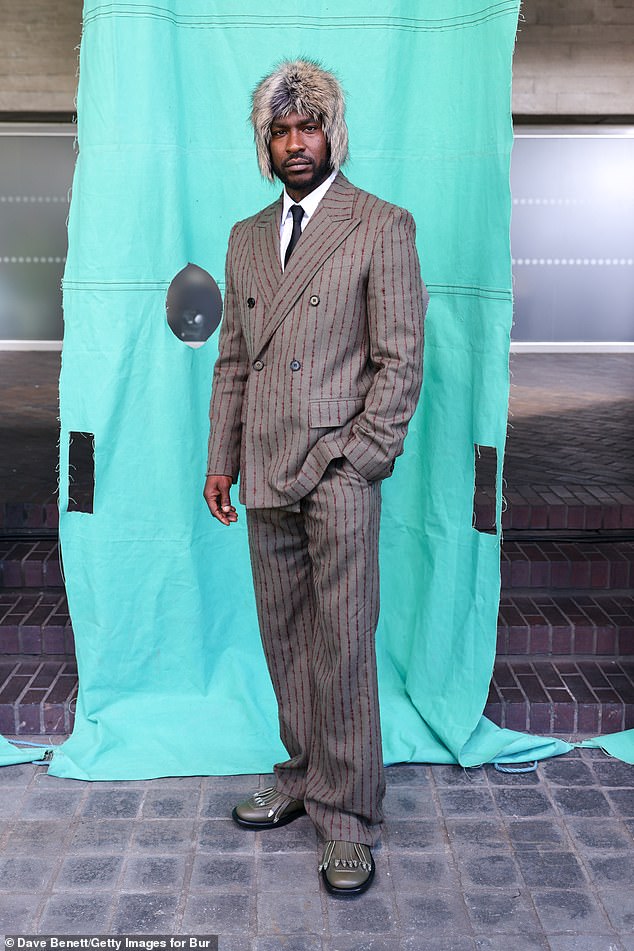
(327, 414)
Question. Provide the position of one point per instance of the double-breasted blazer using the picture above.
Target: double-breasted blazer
(323, 359)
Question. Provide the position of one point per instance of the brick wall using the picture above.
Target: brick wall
(571, 57)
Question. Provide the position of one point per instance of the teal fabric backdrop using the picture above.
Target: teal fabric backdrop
(172, 675)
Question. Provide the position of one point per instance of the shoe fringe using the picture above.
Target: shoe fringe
(349, 855)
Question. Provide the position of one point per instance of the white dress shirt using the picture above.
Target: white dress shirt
(309, 204)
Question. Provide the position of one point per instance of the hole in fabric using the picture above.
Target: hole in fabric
(81, 472)
(486, 467)
(193, 305)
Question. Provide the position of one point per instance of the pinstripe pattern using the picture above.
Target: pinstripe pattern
(318, 373)
(316, 579)
(359, 345)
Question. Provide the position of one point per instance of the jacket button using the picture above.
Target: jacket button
(251, 303)
(295, 365)
(314, 300)
(258, 365)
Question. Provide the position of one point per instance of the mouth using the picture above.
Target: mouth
(298, 164)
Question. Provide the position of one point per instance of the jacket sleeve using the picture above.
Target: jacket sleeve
(229, 379)
(396, 304)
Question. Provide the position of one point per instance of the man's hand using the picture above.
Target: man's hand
(216, 494)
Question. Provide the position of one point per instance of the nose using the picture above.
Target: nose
(294, 143)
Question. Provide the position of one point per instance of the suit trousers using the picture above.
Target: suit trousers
(316, 578)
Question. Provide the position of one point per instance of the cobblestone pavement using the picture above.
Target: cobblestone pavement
(470, 860)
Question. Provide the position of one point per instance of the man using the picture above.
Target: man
(319, 371)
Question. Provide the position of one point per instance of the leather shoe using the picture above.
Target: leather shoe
(347, 868)
(267, 809)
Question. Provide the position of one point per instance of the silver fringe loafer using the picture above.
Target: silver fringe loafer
(267, 809)
(347, 868)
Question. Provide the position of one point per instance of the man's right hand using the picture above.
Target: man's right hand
(216, 494)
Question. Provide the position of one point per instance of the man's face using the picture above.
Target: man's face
(299, 154)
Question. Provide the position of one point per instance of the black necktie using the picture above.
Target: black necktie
(298, 213)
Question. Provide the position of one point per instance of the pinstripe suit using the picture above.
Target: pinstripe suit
(318, 374)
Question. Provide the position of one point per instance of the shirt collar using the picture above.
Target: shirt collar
(311, 201)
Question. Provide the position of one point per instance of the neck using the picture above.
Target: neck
(298, 193)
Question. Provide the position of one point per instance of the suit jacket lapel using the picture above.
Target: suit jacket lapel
(266, 251)
(331, 224)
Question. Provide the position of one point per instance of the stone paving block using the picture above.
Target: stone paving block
(218, 913)
(161, 835)
(622, 801)
(427, 835)
(584, 942)
(607, 834)
(459, 776)
(37, 836)
(494, 870)
(570, 909)
(101, 835)
(144, 913)
(361, 942)
(465, 802)
(616, 869)
(280, 913)
(550, 869)
(451, 943)
(66, 913)
(436, 913)
(24, 872)
(619, 905)
(521, 801)
(506, 911)
(476, 834)
(562, 772)
(408, 774)
(290, 942)
(498, 778)
(18, 912)
(154, 871)
(18, 775)
(366, 914)
(233, 942)
(169, 804)
(225, 872)
(89, 871)
(412, 872)
(573, 801)
(612, 772)
(290, 872)
(409, 802)
(223, 835)
(112, 803)
(219, 803)
(535, 833)
(298, 836)
(50, 803)
(10, 805)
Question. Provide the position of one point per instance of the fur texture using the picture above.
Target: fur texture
(302, 86)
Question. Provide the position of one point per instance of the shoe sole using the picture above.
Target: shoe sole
(284, 821)
(349, 891)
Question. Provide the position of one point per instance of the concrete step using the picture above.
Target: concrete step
(566, 695)
(574, 565)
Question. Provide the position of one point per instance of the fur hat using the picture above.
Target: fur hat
(302, 86)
